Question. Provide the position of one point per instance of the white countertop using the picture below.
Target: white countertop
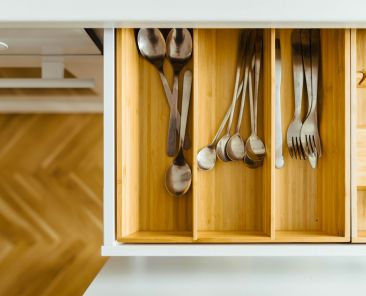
(231, 276)
(191, 13)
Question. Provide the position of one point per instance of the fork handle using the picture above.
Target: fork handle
(298, 73)
(279, 162)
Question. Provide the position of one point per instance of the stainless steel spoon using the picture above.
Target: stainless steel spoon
(250, 157)
(152, 47)
(221, 145)
(206, 157)
(178, 177)
(178, 51)
(254, 146)
(235, 147)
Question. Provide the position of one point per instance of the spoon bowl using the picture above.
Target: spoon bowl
(251, 163)
(179, 48)
(152, 46)
(178, 178)
(221, 148)
(255, 147)
(235, 148)
(206, 158)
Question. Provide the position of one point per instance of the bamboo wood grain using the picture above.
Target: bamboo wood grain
(51, 203)
(311, 201)
(354, 136)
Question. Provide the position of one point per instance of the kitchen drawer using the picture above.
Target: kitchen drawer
(231, 203)
(358, 44)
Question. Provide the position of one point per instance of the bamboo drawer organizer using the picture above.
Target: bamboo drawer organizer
(232, 203)
(358, 121)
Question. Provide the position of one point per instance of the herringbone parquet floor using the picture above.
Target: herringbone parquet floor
(50, 203)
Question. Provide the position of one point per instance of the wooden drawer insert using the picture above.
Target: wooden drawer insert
(231, 204)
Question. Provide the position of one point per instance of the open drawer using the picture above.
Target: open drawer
(358, 61)
(231, 203)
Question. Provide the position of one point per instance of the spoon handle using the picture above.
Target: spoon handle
(168, 94)
(226, 118)
(243, 97)
(186, 96)
(172, 131)
(257, 69)
(251, 104)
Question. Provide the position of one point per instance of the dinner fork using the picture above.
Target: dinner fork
(294, 129)
(310, 139)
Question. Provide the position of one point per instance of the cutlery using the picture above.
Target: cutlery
(293, 132)
(250, 158)
(310, 139)
(152, 47)
(221, 145)
(279, 161)
(178, 51)
(178, 177)
(206, 157)
(235, 147)
(254, 147)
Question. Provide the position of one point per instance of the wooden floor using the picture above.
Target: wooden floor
(51, 171)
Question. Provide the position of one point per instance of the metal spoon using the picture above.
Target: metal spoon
(221, 145)
(235, 147)
(152, 46)
(179, 51)
(206, 157)
(250, 157)
(178, 177)
(255, 148)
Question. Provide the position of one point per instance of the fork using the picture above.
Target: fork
(310, 139)
(294, 129)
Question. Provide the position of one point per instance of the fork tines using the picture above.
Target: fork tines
(303, 139)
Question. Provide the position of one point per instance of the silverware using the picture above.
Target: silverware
(152, 47)
(254, 147)
(279, 161)
(235, 147)
(206, 157)
(310, 139)
(178, 51)
(178, 177)
(294, 129)
(221, 145)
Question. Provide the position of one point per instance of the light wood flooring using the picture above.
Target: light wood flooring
(51, 169)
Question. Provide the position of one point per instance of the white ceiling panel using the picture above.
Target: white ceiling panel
(48, 42)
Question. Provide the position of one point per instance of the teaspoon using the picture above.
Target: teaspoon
(206, 157)
(221, 145)
(178, 177)
(152, 46)
(255, 149)
(179, 51)
(235, 147)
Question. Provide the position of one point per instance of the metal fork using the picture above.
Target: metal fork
(294, 129)
(310, 139)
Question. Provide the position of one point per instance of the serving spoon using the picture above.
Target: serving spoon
(179, 51)
(151, 44)
(178, 177)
